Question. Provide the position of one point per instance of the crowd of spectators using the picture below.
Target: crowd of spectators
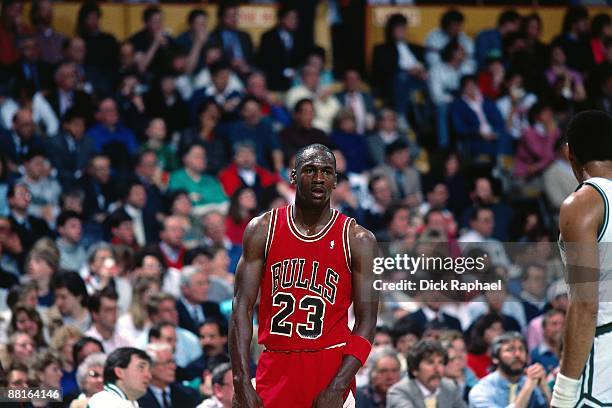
(129, 170)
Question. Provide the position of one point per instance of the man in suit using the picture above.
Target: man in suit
(424, 387)
(430, 312)
(278, 53)
(71, 150)
(193, 307)
(29, 228)
(236, 44)
(30, 73)
(20, 139)
(398, 62)
(163, 390)
(65, 94)
(358, 100)
(213, 339)
(144, 223)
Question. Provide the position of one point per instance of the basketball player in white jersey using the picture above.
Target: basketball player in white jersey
(585, 379)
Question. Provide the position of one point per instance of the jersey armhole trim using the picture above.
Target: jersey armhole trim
(346, 243)
(604, 226)
(270, 234)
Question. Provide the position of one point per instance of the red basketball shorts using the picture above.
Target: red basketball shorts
(294, 379)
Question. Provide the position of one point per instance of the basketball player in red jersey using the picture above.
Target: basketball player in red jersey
(310, 263)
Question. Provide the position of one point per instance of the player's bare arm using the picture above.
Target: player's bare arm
(580, 219)
(365, 304)
(248, 277)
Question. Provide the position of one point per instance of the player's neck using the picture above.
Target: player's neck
(310, 217)
(598, 169)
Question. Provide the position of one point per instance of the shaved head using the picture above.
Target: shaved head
(313, 150)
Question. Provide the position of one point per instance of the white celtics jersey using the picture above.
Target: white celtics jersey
(604, 187)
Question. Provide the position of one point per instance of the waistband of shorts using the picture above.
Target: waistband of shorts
(603, 329)
(305, 350)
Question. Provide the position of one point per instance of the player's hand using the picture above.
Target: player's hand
(246, 397)
(329, 399)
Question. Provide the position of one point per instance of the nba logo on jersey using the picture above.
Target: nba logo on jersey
(331, 244)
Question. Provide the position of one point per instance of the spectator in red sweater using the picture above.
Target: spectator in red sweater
(243, 207)
(244, 172)
(480, 338)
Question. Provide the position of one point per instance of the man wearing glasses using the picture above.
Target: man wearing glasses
(164, 391)
(223, 388)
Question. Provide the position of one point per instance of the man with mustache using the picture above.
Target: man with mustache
(424, 387)
(513, 383)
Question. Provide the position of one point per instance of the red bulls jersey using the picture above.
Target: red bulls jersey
(306, 286)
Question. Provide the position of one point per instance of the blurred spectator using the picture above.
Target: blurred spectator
(361, 102)
(102, 48)
(489, 43)
(483, 195)
(384, 374)
(536, 149)
(557, 299)
(386, 133)
(380, 190)
(104, 314)
(12, 26)
(20, 349)
(425, 384)
(47, 370)
(325, 105)
(148, 172)
(194, 39)
(451, 29)
(88, 78)
(214, 226)
(548, 352)
(171, 241)
(64, 95)
(223, 388)
(491, 78)
(254, 129)
(565, 82)
(601, 28)
(444, 83)
(350, 142)
(152, 44)
(62, 343)
(513, 382)
(484, 330)
(404, 179)
(20, 138)
(121, 228)
(193, 306)
(71, 150)
(71, 300)
(219, 90)
(45, 191)
(165, 102)
(456, 366)
(28, 227)
(203, 189)
(213, 340)
(398, 66)
(49, 40)
(509, 308)
(237, 45)
(574, 39)
(533, 295)
(85, 347)
(98, 186)
(345, 200)
(302, 131)
(89, 377)
(278, 52)
(164, 316)
(146, 229)
(242, 209)
(110, 135)
(558, 179)
(430, 312)
(478, 123)
(136, 323)
(163, 389)
(26, 319)
(31, 75)
(206, 133)
(514, 104)
(535, 53)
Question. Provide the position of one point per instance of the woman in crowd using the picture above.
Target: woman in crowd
(62, 343)
(90, 377)
(19, 349)
(27, 320)
(243, 207)
(480, 338)
(40, 266)
(135, 324)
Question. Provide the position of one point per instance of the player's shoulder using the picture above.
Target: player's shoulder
(361, 236)
(585, 198)
(258, 226)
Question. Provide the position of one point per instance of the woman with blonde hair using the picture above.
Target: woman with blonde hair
(62, 343)
(135, 324)
(20, 349)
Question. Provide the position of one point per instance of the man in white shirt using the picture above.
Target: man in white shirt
(451, 27)
(126, 378)
(103, 308)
